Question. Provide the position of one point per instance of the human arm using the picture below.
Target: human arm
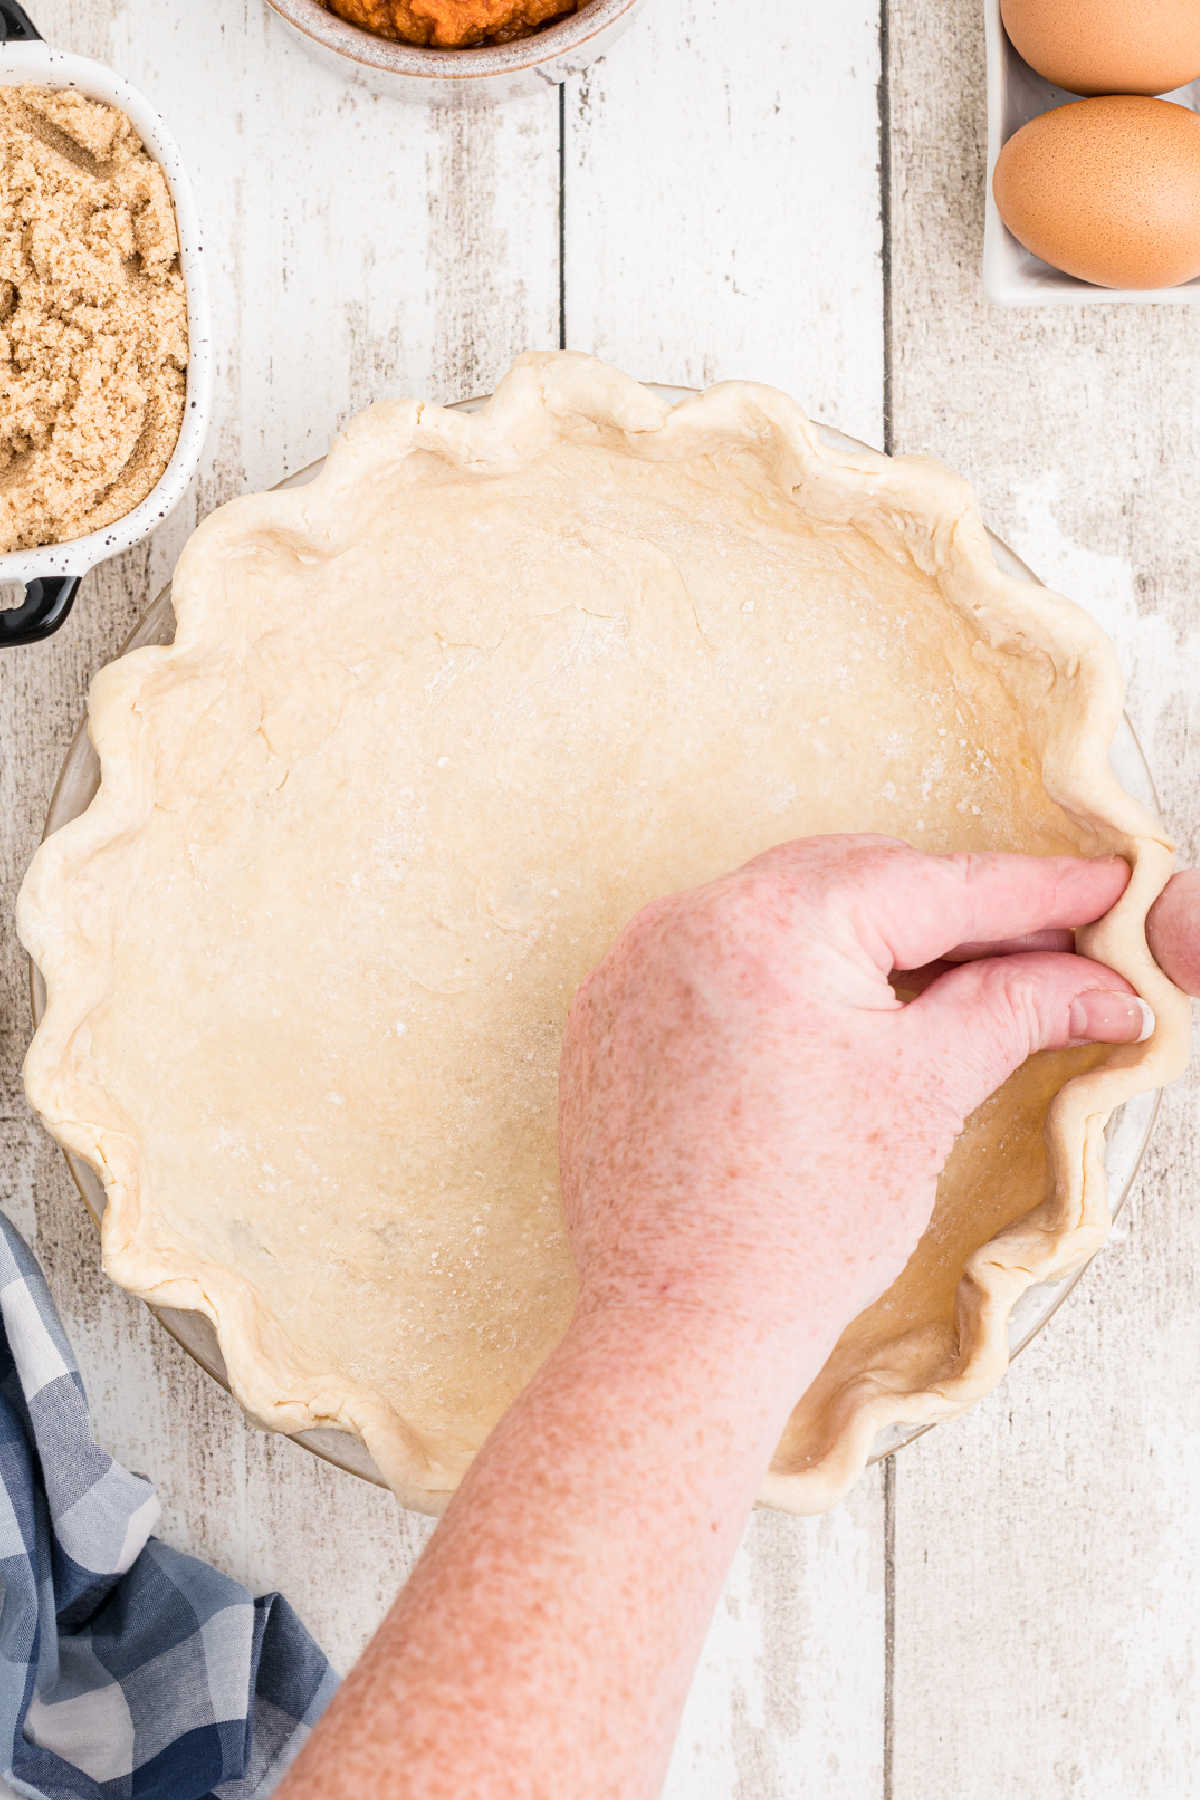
(752, 1127)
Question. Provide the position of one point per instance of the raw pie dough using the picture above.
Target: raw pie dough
(432, 728)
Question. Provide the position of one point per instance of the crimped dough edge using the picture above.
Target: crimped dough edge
(924, 511)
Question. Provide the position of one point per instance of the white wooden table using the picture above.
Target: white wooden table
(789, 191)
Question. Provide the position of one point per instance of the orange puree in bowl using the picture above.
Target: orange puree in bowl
(452, 24)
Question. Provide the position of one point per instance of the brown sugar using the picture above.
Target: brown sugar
(453, 24)
(93, 317)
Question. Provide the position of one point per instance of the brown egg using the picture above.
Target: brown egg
(1108, 46)
(1108, 190)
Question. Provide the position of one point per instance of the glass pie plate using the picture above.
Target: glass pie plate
(1128, 1131)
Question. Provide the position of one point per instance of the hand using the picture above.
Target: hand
(752, 1122)
(752, 1126)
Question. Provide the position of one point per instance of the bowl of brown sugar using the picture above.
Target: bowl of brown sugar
(458, 50)
(105, 356)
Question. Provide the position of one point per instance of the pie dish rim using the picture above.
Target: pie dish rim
(424, 1499)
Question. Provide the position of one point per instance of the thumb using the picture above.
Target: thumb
(987, 1017)
(1173, 929)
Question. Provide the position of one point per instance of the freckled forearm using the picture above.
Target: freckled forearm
(546, 1640)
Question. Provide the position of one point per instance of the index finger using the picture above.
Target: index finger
(922, 907)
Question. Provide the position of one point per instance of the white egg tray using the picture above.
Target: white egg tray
(1011, 275)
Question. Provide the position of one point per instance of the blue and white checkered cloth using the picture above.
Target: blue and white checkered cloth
(127, 1671)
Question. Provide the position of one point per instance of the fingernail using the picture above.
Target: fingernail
(1109, 1018)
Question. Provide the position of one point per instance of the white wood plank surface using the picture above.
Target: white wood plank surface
(1015, 1612)
(1047, 1570)
(721, 204)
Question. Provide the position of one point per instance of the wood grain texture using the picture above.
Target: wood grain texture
(1019, 1618)
(1047, 1583)
(721, 203)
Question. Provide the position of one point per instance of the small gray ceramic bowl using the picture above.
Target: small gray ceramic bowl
(491, 72)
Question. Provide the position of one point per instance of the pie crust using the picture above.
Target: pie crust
(431, 728)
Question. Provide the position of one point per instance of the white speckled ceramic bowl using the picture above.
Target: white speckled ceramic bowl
(489, 73)
(52, 574)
